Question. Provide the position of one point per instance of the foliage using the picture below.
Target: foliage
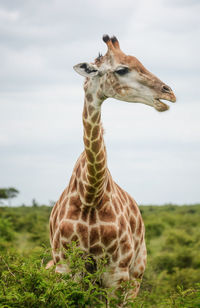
(172, 277)
(24, 282)
(3, 194)
(8, 193)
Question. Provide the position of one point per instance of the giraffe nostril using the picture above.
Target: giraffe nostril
(166, 89)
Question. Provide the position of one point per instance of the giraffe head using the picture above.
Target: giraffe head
(123, 77)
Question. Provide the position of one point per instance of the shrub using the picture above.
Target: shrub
(7, 233)
(173, 241)
(164, 262)
(26, 283)
(182, 277)
(178, 237)
(154, 230)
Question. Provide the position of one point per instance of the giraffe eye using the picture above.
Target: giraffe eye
(122, 71)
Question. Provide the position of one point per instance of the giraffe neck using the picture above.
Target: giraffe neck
(95, 151)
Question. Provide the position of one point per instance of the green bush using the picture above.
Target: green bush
(164, 262)
(154, 230)
(182, 277)
(178, 237)
(173, 244)
(24, 282)
(6, 230)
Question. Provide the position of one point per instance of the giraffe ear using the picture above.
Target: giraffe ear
(86, 69)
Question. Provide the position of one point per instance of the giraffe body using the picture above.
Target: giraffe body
(93, 210)
(113, 228)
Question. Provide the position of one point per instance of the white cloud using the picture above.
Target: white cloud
(9, 16)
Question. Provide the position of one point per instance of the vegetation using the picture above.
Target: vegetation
(172, 277)
(8, 193)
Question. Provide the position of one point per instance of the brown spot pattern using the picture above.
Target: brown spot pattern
(91, 179)
(54, 223)
(85, 213)
(75, 239)
(95, 132)
(89, 198)
(63, 210)
(123, 193)
(93, 216)
(122, 225)
(66, 229)
(141, 268)
(133, 206)
(83, 162)
(120, 204)
(95, 117)
(99, 166)
(108, 234)
(85, 113)
(100, 156)
(96, 146)
(94, 236)
(132, 224)
(114, 202)
(74, 208)
(90, 156)
(81, 189)
(82, 232)
(136, 274)
(86, 142)
(74, 186)
(100, 174)
(115, 255)
(139, 227)
(90, 189)
(89, 97)
(107, 214)
(136, 245)
(108, 188)
(57, 259)
(88, 128)
(78, 171)
(51, 230)
(113, 248)
(125, 245)
(96, 250)
(125, 262)
(99, 182)
(139, 260)
(91, 169)
(56, 241)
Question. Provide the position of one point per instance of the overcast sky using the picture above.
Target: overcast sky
(154, 156)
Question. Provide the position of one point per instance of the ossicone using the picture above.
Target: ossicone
(111, 42)
(106, 38)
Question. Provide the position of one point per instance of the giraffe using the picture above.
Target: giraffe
(93, 210)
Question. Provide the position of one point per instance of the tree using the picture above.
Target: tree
(3, 194)
(34, 203)
(8, 193)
